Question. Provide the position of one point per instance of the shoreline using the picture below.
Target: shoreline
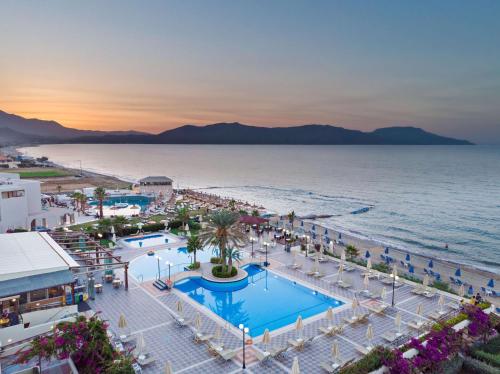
(376, 247)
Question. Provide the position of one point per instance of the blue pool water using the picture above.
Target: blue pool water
(263, 300)
(153, 236)
(140, 200)
(145, 267)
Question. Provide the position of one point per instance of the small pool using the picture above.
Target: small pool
(150, 240)
(263, 300)
(139, 200)
(144, 267)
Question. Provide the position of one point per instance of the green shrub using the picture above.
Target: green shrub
(194, 265)
(411, 278)
(174, 224)
(221, 271)
(370, 362)
(216, 260)
(478, 367)
(382, 267)
(443, 286)
(490, 358)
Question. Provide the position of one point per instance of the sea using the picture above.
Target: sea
(417, 198)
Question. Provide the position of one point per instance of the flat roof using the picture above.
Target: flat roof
(155, 179)
(31, 253)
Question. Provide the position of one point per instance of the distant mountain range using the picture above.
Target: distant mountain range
(18, 130)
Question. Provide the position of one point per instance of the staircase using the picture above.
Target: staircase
(161, 285)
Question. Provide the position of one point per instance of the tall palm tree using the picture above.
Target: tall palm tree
(100, 195)
(232, 254)
(119, 222)
(76, 196)
(223, 232)
(194, 245)
(83, 202)
(291, 217)
(183, 216)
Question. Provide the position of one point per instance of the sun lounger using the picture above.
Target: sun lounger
(310, 272)
(331, 330)
(145, 359)
(200, 337)
(262, 356)
(363, 350)
(380, 308)
(298, 343)
(277, 352)
(418, 291)
(127, 338)
(416, 325)
(343, 284)
(389, 336)
(349, 268)
(319, 275)
(330, 367)
(453, 305)
(436, 315)
(228, 354)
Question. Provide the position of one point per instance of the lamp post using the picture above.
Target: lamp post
(169, 265)
(394, 277)
(307, 244)
(266, 244)
(253, 240)
(158, 258)
(244, 330)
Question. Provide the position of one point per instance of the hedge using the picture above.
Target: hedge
(146, 228)
(472, 365)
(220, 271)
(216, 260)
(370, 362)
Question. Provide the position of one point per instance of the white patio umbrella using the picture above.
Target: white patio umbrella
(295, 366)
(366, 282)
(369, 334)
(341, 271)
(397, 322)
(180, 308)
(441, 303)
(266, 339)
(218, 334)
(330, 246)
(383, 293)
(122, 322)
(354, 306)
(113, 233)
(329, 315)
(335, 351)
(140, 345)
(299, 325)
(420, 311)
(316, 264)
(369, 264)
(186, 228)
(342, 254)
(461, 291)
(425, 282)
(168, 368)
(197, 321)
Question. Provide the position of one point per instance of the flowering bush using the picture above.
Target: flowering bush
(397, 364)
(480, 322)
(85, 341)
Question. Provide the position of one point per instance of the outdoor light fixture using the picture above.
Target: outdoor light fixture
(244, 331)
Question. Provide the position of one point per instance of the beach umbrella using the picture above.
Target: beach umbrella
(295, 366)
(425, 282)
(369, 264)
(397, 322)
(330, 246)
(431, 264)
(383, 293)
(461, 291)
(335, 351)
(326, 231)
(301, 223)
(314, 235)
(441, 303)
(313, 228)
(179, 307)
(491, 283)
(387, 260)
(299, 325)
(367, 254)
(366, 282)
(218, 333)
(140, 345)
(329, 315)
(369, 334)
(168, 368)
(458, 272)
(266, 339)
(407, 257)
(197, 321)
(340, 235)
(420, 310)
(470, 291)
(386, 250)
(411, 269)
(354, 305)
(341, 270)
(122, 322)
(342, 255)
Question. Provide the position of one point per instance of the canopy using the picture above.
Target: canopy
(252, 220)
(458, 272)
(491, 283)
(367, 254)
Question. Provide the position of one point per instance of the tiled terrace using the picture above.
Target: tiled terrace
(149, 312)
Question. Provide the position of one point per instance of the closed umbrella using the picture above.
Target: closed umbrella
(367, 254)
(341, 270)
(441, 303)
(197, 322)
(301, 223)
(330, 246)
(313, 227)
(266, 339)
(140, 345)
(425, 282)
(386, 250)
(186, 228)
(458, 272)
(383, 293)
(369, 264)
(491, 283)
(420, 311)
(407, 257)
(326, 231)
(369, 334)
(470, 291)
(168, 368)
(113, 233)
(218, 334)
(354, 306)
(295, 366)
(461, 291)
(342, 255)
(335, 351)
(411, 269)
(431, 264)
(397, 322)
(299, 325)
(366, 282)
(329, 316)
(180, 308)
(122, 322)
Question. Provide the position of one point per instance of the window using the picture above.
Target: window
(55, 292)
(38, 295)
(11, 194)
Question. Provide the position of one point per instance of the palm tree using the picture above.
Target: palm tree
(183, 216)
(83, 202)
(119, 222)
(255, 213)
(59, 189)
(291, 217)
(351, 251)
(76, 196)
(194, 244)
(223, 232)
(104, 225)
(232, 254)
(100, 195)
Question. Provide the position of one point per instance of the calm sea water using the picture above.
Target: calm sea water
(420, 197)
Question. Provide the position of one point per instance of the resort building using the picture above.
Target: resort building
(36, 285)
(21, 206)
(160, 187)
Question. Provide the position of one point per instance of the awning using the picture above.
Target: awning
(35, 282)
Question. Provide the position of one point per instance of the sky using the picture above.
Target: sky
(155, 65)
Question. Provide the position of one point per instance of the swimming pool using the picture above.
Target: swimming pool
(145, 267)
(150, 240)
(140, 200)
(264, 300)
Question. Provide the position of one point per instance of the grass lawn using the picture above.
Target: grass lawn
(41, 173)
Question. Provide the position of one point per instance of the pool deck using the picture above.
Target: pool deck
(149, 311)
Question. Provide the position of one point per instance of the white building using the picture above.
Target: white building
(35, 286)
(160, 187)
(21, 205)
